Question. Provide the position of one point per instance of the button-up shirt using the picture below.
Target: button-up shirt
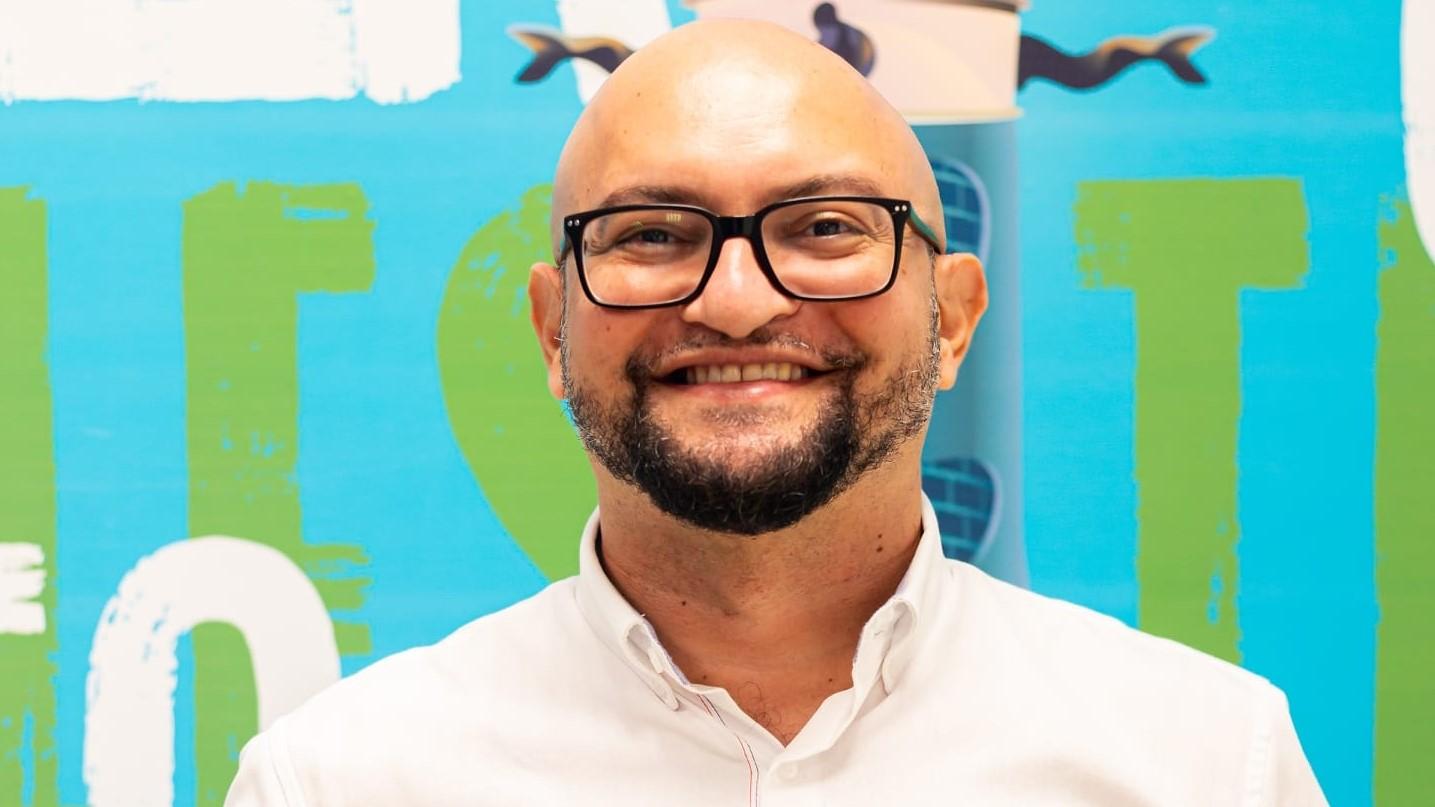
(965, 690)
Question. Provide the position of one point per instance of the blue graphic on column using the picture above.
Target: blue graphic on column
(964, 206)
(964, 495)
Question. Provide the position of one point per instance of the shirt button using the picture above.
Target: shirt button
(789, 772)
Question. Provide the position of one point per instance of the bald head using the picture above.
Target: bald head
(733, 115)
(799, 396)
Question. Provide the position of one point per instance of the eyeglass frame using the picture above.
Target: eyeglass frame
(749, 227)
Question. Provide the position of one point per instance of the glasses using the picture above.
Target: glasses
(822, 249)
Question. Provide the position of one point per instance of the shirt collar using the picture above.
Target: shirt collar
(617, 624)
(887, 643)
(914, 605)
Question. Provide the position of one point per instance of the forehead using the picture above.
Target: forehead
(732, 136)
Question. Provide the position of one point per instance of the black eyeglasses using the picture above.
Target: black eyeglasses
(822, 248)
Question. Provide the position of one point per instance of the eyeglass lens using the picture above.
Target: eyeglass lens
(824, 249)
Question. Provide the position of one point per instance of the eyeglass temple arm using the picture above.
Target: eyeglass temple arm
(924, 230)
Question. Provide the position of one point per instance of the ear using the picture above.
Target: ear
(961, 289)
(545, 299)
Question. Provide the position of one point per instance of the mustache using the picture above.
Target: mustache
(642, 364)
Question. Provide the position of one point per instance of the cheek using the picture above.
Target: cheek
(600, 342)
(890, 328)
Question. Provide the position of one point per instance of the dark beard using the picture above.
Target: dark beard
(853, 435)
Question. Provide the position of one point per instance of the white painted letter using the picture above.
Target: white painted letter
(129, 714)
(227, 50)
(22, 578)
(1417, 91)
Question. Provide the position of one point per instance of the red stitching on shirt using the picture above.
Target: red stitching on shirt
(747, 754)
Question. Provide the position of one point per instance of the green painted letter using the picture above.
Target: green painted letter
(1404, 517)
(247, 255)
(1186, 249)
(518, 444)
(28, 764)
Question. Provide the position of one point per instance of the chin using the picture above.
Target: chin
(737, 447)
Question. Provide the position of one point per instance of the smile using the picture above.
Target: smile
(736, 373)
(750, 369)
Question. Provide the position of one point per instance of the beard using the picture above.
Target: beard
(852, 434)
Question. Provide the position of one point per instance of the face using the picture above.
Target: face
(745, 410)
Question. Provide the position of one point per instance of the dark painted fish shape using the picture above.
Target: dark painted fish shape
(551, 48)
(1038, 58)
(847, 41)
(1086, 71)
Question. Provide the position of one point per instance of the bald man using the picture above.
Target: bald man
(749, 314)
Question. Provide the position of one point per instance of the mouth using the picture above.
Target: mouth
(733, 373)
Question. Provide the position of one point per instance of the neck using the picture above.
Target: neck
(774, 619)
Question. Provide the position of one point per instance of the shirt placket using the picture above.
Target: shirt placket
(779, 776)
(753, 746)
(791, 776)
(796, 769)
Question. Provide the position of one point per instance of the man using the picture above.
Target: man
(750, 315)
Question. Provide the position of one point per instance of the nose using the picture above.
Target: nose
(738, 298)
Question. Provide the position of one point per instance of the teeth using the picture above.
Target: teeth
(733, 373)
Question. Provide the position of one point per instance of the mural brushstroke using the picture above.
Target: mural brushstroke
(130, 692)
(515, 438)
(247, 256)
(28, 635)
(1186, 250)
(393, 51)
(1404, 479)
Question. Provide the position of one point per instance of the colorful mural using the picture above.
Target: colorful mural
(270, 408)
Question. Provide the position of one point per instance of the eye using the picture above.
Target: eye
(828, 227)
(651, 240)
(648, 234)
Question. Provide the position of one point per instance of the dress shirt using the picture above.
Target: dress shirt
(965, 691)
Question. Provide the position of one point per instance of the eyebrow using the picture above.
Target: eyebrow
(821, 185)
(652, 194)
(831, 185)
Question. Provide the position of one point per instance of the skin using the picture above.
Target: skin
(734, 115)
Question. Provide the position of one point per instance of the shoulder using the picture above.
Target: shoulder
(1064, 688)
(1081, 691)
(492, 650)
(1086, 678)
(402, 717)
(1083, 642)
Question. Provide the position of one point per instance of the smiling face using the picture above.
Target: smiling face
(744, 409)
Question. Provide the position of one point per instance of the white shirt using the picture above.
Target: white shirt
(966, 691)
